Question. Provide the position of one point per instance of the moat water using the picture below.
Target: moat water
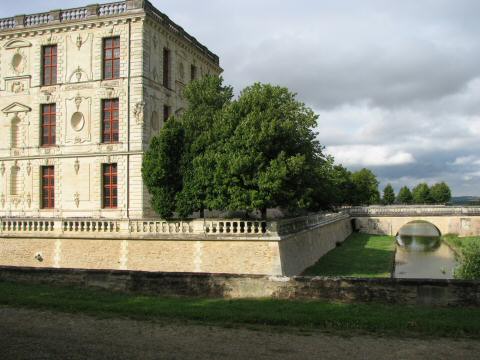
(422, 254)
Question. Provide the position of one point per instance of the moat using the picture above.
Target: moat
(422, 254)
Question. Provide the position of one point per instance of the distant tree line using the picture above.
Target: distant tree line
(438, 193)
(251, 153)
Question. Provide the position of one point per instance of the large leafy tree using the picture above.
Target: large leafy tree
(272, 158)
(388, 195)
(440, 193)
(160, 169)
(366, 188)
(405, 196)
(421, 194)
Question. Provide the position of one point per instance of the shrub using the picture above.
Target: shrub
(470, 266)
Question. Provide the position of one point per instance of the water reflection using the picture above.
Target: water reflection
(422, 254)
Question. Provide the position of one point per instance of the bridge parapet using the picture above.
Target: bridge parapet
(412, 210)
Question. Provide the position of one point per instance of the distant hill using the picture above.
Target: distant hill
(465, 200)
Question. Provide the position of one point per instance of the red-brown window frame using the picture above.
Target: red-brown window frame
(111, 58)
(166, 68)
(110, 186)
(110, 121)
(49, 65)
(48, 187)
(49, 125)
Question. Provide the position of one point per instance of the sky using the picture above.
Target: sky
(396, 84)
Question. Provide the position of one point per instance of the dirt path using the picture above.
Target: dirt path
(33, 334)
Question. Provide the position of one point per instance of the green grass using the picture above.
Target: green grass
(275, 314)
(458, 243)
(360, 255)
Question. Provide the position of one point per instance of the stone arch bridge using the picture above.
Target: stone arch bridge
(388, 220)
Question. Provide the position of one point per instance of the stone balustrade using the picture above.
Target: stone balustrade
(74, 14)
(112, 8)
(37, 19)
(91, 228)
(412, 210)
(8, 23)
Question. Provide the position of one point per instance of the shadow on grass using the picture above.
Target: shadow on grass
(360, 255)
(373, 318)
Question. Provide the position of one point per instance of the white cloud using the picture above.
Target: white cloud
(368, 155)
(467, 160)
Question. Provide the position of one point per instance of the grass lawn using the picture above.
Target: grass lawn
(360, 255)
(458, 243)
(301, 315)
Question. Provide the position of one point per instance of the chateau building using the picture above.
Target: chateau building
(82, 91)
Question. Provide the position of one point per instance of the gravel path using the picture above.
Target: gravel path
(34, 334)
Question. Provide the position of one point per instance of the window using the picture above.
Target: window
(193, 72)
(48, 187)
(111, 58)
(48, 124)
(49, 65)
(109, 186)
(16, 134)
(110, 121)
(166, 68)
(166, 113)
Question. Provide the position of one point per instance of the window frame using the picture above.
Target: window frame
(47, 124)
(166, 67)
(110, 199)
(109, 119)
(47, 200)
(193, 72)
(52, 68)
(114, 61)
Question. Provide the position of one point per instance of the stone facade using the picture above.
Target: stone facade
(79, 151)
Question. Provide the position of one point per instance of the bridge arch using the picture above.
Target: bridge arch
(421, 222)
(440, 223)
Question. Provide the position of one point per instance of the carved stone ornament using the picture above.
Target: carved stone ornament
(78, 74)
(138, 112)
(2, 200)
(15, 201)
(76, 199)
(17, 87)
(29, 200)
(78, 101)
(79, 42)
(76, 166)
(29, 168)
(2, 169)
(19, 62)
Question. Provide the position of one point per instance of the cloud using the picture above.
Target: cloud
(368, 155)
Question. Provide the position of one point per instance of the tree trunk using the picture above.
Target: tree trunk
(264, 213)
(202, 212)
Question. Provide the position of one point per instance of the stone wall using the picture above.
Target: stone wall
(284, 247)
(387, 291)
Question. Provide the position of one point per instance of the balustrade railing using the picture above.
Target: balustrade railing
(37, 19)
(74, 14)
(413, 210)
(112, 8)
(162, 229)
(8, 23)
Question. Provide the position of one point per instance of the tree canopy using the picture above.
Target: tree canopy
(405, 196)
(255, 152)
(388, 195)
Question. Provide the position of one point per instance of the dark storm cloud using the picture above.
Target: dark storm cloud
(396, 83)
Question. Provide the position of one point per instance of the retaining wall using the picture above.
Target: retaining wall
(388, 291)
